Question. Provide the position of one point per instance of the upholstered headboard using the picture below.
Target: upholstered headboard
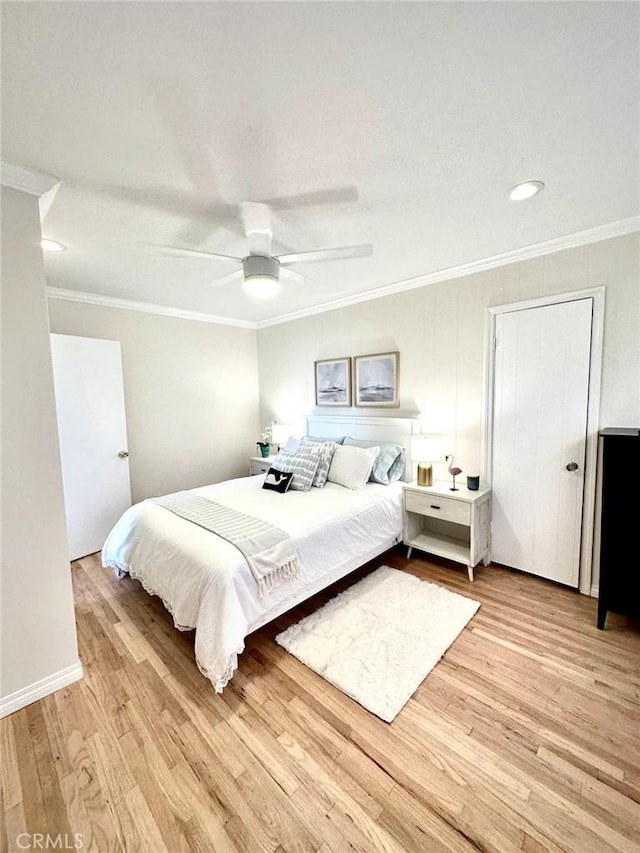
(399, 430)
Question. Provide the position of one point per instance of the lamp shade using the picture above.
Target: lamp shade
(281, 432)
(425, 448)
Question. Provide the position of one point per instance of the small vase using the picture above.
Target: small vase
(264, 450)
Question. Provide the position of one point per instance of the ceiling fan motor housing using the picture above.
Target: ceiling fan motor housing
(260, 265)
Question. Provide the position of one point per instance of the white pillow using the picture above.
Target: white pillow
(351, 466)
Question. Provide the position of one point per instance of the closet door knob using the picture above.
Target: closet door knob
(572, 466)
(123, 454)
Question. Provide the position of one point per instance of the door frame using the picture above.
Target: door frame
(597, 294)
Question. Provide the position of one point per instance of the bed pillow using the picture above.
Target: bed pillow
(303, 466)
(293, 444)
(337, 440)
(277, 481)
(324, 450)
(351, 466)
(389, 466)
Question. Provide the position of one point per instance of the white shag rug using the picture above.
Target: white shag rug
(378, 640)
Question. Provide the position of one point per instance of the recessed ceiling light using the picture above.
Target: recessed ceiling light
(526, 190)
(52, 245)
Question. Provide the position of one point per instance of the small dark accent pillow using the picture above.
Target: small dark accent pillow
(277, 481)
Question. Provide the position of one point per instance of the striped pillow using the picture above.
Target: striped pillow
(389, 466)
(303, 466)
(324, 451)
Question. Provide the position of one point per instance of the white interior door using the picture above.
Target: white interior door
(541, 390)
(89, 391)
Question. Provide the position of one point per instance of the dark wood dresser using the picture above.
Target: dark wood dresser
(619, 586)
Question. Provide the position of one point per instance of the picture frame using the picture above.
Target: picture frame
(333, 382)
(375, 379)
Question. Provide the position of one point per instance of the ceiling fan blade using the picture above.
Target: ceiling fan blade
(256, 218)
(363, 251)
(204, 215)
(337, 195)
(227, 279)
(180, 250)
(291, 275)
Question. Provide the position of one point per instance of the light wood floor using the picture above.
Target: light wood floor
(525, 737)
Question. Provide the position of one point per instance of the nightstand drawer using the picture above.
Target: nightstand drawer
(260, 464)
(437, 507)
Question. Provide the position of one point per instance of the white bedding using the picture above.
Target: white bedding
(205, 582)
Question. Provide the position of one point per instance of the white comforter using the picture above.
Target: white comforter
(205, 582)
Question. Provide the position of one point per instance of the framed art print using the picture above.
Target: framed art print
(333, 382)
(376, 379)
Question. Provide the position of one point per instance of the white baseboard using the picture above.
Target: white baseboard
(595, 591)
(39, 689)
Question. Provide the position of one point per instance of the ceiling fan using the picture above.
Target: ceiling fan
(261, 271)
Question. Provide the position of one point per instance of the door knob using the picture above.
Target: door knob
(572, 466)
(123, 454)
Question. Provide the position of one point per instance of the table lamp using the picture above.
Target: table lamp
(280, 433)
(425, 449)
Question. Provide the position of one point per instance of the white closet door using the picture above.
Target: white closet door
(92, 429)
(541, 386)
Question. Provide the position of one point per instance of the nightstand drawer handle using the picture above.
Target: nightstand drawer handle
(434, 506)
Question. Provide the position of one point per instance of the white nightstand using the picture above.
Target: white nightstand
(260, 464)
(448, 524)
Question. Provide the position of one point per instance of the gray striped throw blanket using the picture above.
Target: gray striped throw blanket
(270, 552)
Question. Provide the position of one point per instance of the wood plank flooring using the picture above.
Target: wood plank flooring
(526, 737)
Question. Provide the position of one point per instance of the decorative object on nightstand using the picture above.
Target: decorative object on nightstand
(425, 449)
(264, 445)
(452, 526)
(454, 471)
(473, 482)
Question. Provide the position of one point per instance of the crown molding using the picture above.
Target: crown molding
(535, 250)
(143, 307)
(46, 200)
(27, 180)
(32, 182)
(569, 241)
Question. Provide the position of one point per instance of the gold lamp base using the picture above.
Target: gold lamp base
(425, 474)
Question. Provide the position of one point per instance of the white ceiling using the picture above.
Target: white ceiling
(398, 124)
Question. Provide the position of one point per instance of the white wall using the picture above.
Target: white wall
(38, 627)
(191, 393)
(439, 331)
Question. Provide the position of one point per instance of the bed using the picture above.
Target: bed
(205, 582)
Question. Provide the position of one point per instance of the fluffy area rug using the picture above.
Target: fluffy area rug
(378, 640)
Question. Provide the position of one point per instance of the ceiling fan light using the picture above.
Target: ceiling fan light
(521, 192)
(261, 276)
(261, 286)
